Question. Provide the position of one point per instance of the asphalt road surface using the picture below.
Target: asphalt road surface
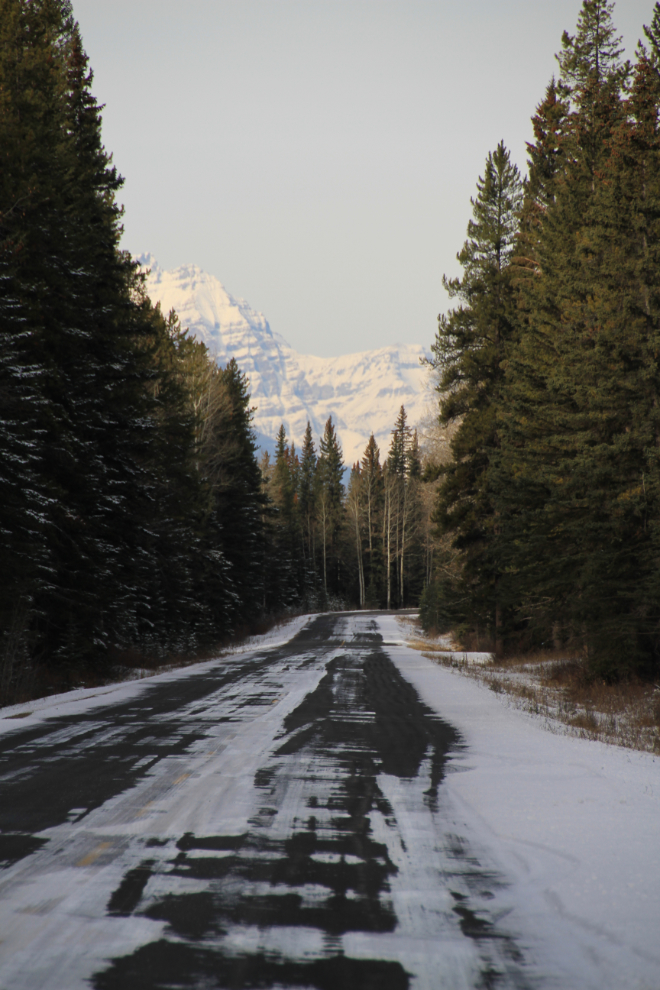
(274, 820)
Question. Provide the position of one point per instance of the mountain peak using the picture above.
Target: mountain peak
(362, 392)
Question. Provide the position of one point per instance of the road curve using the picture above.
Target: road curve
(273, 821)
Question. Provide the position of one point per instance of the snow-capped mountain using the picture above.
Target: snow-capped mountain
(362, 392)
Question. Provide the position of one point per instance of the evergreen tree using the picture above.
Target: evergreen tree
(571, 491)
(74, 320)
(283, 489)
(404, 510)
(546, 155)
(170, 600)
(238, 500)
(28, 138)
(289, 568)
(591, 58)
(470, 351)
(307, 493)
(330, 470)
(355, 509)
(372, 486)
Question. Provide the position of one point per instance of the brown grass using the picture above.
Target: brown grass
(556, 685)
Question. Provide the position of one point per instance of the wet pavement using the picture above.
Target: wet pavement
(273, 821)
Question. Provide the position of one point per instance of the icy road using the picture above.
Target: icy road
(285, 818)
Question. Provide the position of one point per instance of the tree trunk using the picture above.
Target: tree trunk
(499, 647)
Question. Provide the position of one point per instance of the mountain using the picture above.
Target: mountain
(362, 392)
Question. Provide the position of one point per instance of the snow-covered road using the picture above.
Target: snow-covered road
(334, 813)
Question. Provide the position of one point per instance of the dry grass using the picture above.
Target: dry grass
(555, 685)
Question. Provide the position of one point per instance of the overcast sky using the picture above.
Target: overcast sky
(318, 156)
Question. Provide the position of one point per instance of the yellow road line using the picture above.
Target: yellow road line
(94, 854)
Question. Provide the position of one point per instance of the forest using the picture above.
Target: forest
(549, 376)
(137, 516)
(366, 544)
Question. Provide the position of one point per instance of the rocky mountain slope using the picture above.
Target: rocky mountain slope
(362, 392)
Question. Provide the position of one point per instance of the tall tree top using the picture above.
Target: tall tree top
(652, 32)
(397, 460)
(331, 463)
(371, 458)
(492, 230)
(281, 446)
(545, 152)
(308, 448)
(593, 54)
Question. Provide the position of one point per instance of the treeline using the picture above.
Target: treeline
(364, 544)
(132, 511)
(135, 519)
(549, 371)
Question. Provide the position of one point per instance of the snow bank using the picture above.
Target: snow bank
(84, 699)
(574, 825)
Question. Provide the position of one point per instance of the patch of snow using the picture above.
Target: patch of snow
(574, 825)
(18, 716)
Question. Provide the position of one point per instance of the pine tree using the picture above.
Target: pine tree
(74, 320)
(27, 138)
(283, 489)
(592, 57)
(397, 464)
(572, 484)
(330, 470)
(307, 492)
(470, 351)
(289, 568)
(237, 494)
(108, 528)
(355, 509)
(372, 486)
(403, 509)
(546, 156)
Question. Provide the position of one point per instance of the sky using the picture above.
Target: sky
(318, 156)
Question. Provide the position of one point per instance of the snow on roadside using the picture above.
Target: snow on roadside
(442, 645)
(84, 699)
(622, 718)
(573, 825)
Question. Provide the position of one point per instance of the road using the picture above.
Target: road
(275, 820)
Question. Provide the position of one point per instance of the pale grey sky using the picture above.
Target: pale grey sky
(318, 156)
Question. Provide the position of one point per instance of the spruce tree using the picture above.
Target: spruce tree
(572, 480)
(289, 568)
(355, 509)
(330, 471)
(107, 530)
(238, 501)
(470, 352)
(29, 135)
(76, 323)
(307, 492)
(592, 57)
(372, 485)
(546, 155)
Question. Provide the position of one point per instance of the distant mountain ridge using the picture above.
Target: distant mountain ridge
(362, 392)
